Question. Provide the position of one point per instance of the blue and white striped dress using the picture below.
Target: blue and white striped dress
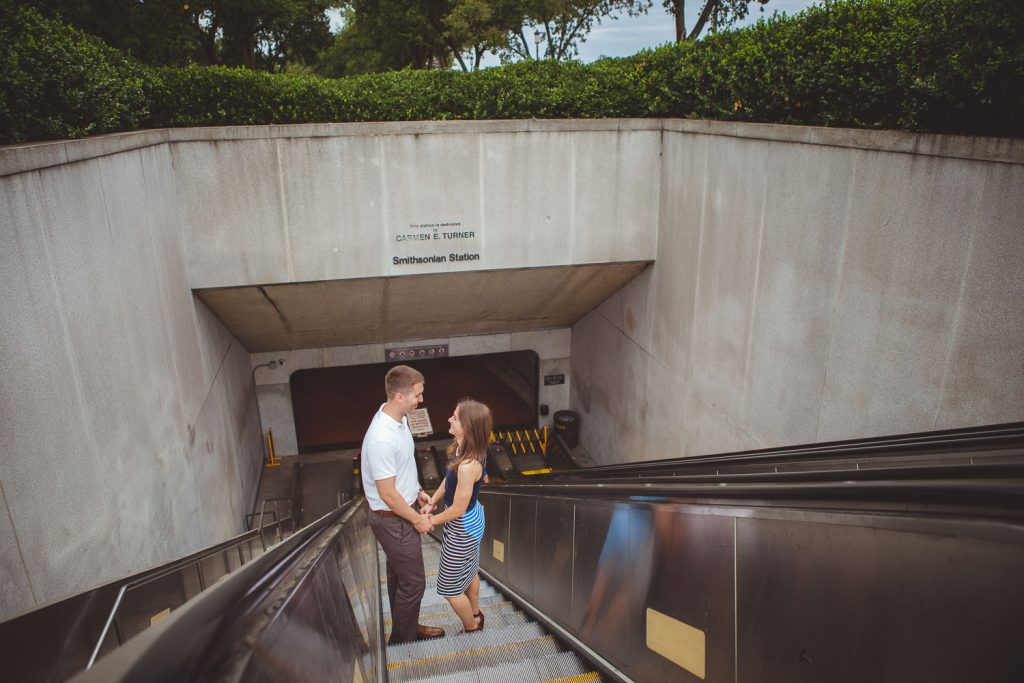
(460, 545)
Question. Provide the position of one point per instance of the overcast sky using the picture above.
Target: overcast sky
(628, 35)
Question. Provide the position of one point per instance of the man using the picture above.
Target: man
(392, 488)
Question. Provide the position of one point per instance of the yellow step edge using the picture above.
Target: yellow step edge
(448, 656)
(578, 678)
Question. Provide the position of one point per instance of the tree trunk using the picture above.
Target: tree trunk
(702, 20)
(678, 8)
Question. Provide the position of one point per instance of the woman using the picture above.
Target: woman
(463, 518)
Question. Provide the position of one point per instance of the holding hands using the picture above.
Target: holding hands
(424, 524)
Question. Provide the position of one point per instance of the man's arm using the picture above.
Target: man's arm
(389, 494)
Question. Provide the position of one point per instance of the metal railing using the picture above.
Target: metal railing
(146, 600)
(328, 568)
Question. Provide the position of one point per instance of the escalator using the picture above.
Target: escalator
(511, 647)
(894, 559)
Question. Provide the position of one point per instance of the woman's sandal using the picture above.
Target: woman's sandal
(479, 616)
(472, 630)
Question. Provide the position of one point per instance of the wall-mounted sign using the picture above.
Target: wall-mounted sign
(553, 379)
(435, 242)
(416, 352)
(419, 422)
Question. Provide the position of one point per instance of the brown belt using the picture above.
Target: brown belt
(384, 513)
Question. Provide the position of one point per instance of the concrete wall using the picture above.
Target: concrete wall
(274, 391)
(127, 421)
(332, 201)
(812, 285)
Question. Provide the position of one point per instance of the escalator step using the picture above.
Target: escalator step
(578, 678)
(486, 649)
(561, 667)
(565, 666)
(496, 618)
(491, 602)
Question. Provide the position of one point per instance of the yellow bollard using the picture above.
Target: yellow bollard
(273, 461)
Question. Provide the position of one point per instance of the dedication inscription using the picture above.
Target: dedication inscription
(441, 242)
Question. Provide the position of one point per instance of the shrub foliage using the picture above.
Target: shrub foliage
(952, 66)
(57, 82)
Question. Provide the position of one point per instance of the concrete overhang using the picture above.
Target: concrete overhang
(372, 310)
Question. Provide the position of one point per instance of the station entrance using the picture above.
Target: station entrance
(333, 406)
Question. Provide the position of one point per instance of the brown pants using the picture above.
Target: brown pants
(406, 578)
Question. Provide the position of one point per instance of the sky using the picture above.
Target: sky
(628, 35)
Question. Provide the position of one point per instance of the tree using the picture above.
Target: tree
(563, 24)
(154, 32)
(424, 34)
(265, 34)
(718, 12)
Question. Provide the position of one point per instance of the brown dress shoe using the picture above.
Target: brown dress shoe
(428, 632)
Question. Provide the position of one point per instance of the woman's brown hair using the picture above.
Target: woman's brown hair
(476, 426)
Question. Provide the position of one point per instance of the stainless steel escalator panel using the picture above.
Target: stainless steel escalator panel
(496, 533)
(312, 643)
(599, 585)
(681, 564)
(554, 558)
(522, 543)
(867, 603)
(360, 550)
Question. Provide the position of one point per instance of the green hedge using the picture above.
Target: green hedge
(57, 82)
(953, 66)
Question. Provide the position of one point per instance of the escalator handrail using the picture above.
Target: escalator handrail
(184, 644)
(987, 439)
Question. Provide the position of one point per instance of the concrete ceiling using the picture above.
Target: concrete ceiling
(386, 309)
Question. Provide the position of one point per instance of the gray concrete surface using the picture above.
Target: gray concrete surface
(128, 432)
(812, 286)
(350, 312)
(333, 208)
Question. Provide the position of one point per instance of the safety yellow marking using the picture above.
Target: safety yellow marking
(578, 678)
(544, 470)
(506, 647)
(498, 551)
(163, 614)
(677, 642)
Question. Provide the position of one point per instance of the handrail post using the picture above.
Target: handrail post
(263, 509)
(106, 627)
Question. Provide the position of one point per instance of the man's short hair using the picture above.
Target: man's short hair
(401, 379)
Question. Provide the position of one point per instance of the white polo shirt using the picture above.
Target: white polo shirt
(389, 451)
